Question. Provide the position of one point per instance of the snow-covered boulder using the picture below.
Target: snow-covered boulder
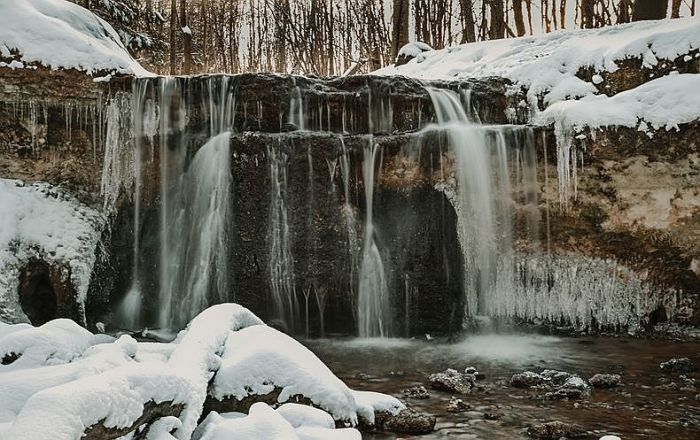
(56, 342)
(410, 51)
(61, 34)
(260, 360)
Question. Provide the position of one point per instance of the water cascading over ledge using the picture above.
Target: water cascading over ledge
(352, 208)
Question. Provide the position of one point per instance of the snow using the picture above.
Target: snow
(196, 356)
(60, 34)
(56, 342)
(664, 102)
(278, 361)
(414, 49)
(548, 64)
(43, 222)
(68, 379)
(302, 415)
(263, 422)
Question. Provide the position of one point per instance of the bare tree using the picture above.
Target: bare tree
(518, 17)
(173, 35)
(466, 16)
(186, 39)
(399, 26)
(497, 28)
(587, 13)
(676, 9)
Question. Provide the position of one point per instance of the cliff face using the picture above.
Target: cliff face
(630, 232)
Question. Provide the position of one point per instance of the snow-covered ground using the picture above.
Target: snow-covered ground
(60, 34)
(43, 222)
(88, 379)
(547, 65)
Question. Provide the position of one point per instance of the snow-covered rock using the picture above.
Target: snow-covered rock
(56, 342)
(664, 102)
(61, 34)
(410, 51)
(43, 222)
(276, 360)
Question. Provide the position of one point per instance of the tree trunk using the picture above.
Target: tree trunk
(399, 26)
(623, 13)
(587, 13)
(466, 16)
(649, 10)
(676, 9)
(186, 39)
(497, 29)
(518, 17)
(173, 35)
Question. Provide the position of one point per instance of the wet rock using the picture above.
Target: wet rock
(604, 380)
(566, 393)
(558, 378)
(575, 382)
(417, 392)
(457, 405)
(555, 431)
(473, 374)
(363, 376)
(678, 365)
(451, 381)
(527, 379)
(408, 421)
(689, 419)
(492, 415)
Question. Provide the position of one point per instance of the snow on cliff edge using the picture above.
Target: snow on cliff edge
(548, 64)
(60, 34)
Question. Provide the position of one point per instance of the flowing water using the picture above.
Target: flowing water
(373, 303)
(648, 405)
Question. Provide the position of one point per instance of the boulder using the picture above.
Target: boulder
(678, 365)
(555, 431)
(457, 405)
(417, 392)
(408, 421)
(451, 381)
(604, 380)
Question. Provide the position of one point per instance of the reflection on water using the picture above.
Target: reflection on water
(648, 405)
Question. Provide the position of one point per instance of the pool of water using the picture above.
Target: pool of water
(649, 404)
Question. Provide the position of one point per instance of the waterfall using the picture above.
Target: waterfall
(281, 261)
(196, 223)
(129, 312)
(373, 303)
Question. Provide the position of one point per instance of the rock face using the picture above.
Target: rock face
(636, 208)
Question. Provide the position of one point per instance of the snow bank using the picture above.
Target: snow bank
(302, 415)
(22, 384)
(548, 64)
(60, 34)
(41, 221)
(664, 102)
(275, 360)
(115, 399)
(56, 342)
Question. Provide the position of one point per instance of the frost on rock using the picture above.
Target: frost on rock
(60, 34)
(44, 223)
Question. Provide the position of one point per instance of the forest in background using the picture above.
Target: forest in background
(335, 37)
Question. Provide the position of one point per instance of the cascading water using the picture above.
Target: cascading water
(199, 211)
(195, 207)
(373, 303)
(281, 262)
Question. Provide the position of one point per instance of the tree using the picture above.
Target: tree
(466, 16)
(624, 11)
(497, 29)
(399, 26)
(676, 9)
(649, 9)
(173, 36)
(587, 13)
(186, 39)
(518, 17)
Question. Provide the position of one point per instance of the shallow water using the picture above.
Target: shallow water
(649, 404)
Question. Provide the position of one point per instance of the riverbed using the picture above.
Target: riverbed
(648, 404)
